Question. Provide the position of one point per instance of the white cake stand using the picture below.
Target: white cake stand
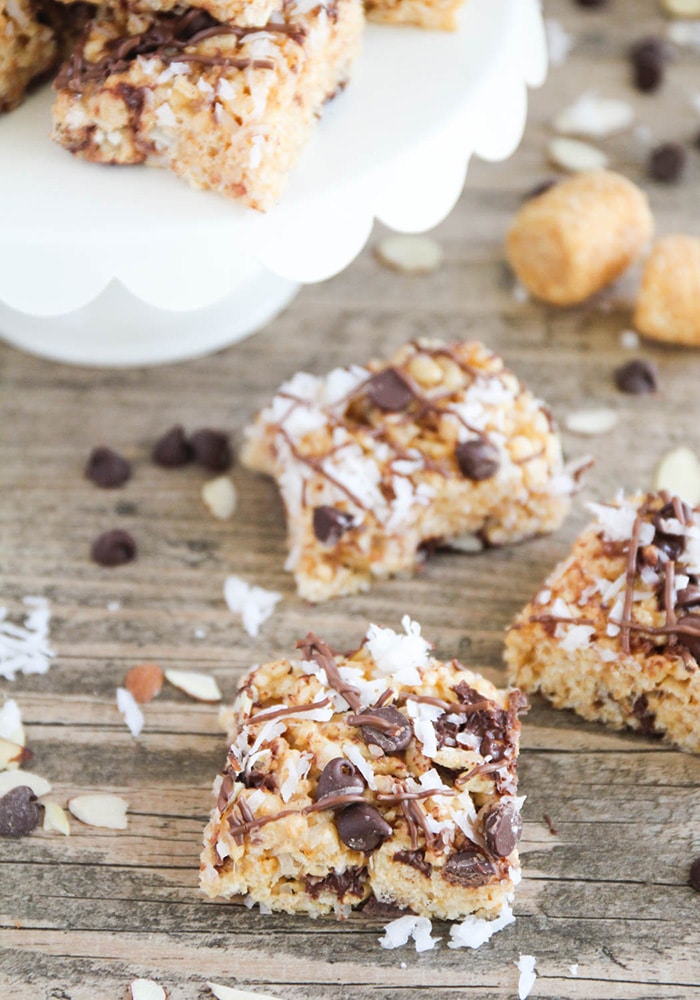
(128, 266)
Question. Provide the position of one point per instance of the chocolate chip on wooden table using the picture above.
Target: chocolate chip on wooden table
(339, 777)
(19, 812)
(361, 827)
(330, 524)
(637, 377)
(212, 449)
(591, 3)
(648, 58)
(694, 879)
(113, 548)
(391, 740)
(107, 468)
(477, 459)
(691, 642)
(667, 162)
(389, 391)
(172, 450)
(502, 826)
(469, 868)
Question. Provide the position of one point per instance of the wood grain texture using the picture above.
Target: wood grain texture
(80, 917)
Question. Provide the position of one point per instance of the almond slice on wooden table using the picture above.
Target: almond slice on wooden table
(12, 755)
(147, 989)
(201, 687)
(231, 993)
(144, 682)
(55, 819)
(410, 254)
(679, 472)
(108, 811)
(13, 779)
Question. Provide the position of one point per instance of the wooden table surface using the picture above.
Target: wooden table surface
(80, 917)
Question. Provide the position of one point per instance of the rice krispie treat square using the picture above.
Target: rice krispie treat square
(440, 14)
(246, 13)
(227, 107)
(28, 49)
(381, 774)
(614, 633)
(440, 446)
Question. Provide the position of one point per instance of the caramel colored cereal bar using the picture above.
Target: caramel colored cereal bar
(441, 446)
(228, 108)
(383, 774)
(28, 49)
(440, 14)
(614, 633)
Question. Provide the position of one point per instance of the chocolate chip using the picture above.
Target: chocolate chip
(113, 548)
(19, 812)
(330, 524)
(640, 709)
(339, 777)
(172, 450)
(637, 377)
(351, 882)
(542, 188)
(670, 542)
(694, 879)
(224, 792)
(691, 642)
(503, 826)
(107, 468)
(390, 740)
(648, 59)
(416, 859)
(477, 459)
(591, 3)
(361, 827)
(212, 449)
(469, 868)
(390, 391)
(688, 597)
(667, 162)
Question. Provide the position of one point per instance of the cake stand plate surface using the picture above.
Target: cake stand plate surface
(123, 266)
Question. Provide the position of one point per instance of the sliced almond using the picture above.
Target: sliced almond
(219, 497)
(144, 682)
(231, 993)
(201, 687)
(147, 989)
(576, 156)
(591, 422)
(466, 543)
(679, 472)
(594, 116)
(56, 819)
(12, 755)
(107, 811)
(13, 779)
(410, 254)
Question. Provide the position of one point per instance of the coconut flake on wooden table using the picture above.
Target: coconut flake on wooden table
(576, 156)
(398, 932)
(231, 993)
(526, 966)
(15, 779)
(475, 931)
(629, 339)
(201, 687)
(11, 727)
(590, 423)
(573, 969)
(559, 42)
(679, 472)
(147, 989)
(108, 811)
(254, 604)
(133, 716)
(594, 117)
(25, 649)
(220, 498)
(410, 254)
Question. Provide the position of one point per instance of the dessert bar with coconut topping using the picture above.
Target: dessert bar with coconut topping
(380, 774)
(440, 446)
(614, 634)
(226, 107)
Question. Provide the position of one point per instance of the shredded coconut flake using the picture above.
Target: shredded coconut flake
(25, 649)
(399, 655)
(398, 932)
(526, 965)
(474, 931)
(254, 604)
(297, 769)
(133, 716)
(11, 727)
(573, 969)
(354, 755)
(559, 42)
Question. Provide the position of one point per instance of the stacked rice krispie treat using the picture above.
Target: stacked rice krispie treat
(383, 773)
(441, 446)
(226, 104)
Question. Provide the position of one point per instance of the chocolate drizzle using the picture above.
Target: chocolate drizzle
(279, 713)
(313, 648)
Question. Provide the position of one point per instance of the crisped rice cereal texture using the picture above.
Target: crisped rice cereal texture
(668, 306)
(440, 14)
(614, 633)
(246, 13)
(226, 107)
(577, 237)
(442, 446)
(316, 813)
(28, 49)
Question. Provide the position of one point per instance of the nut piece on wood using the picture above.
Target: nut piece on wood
(679, 472)
(144, 682)
(147, 989)
(410, 254)
(13, 779)
(668, 307)
(201, 687)
(579, 236)
(55, 819)
(231, 993)
(219, 497)
(576, 156)
(107, 811)
(12, 755)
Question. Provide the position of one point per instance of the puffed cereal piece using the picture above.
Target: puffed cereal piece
(440, 447)
(579, 236)
(614, 632)
(668, 307)
(385, 773)
(28, 49)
